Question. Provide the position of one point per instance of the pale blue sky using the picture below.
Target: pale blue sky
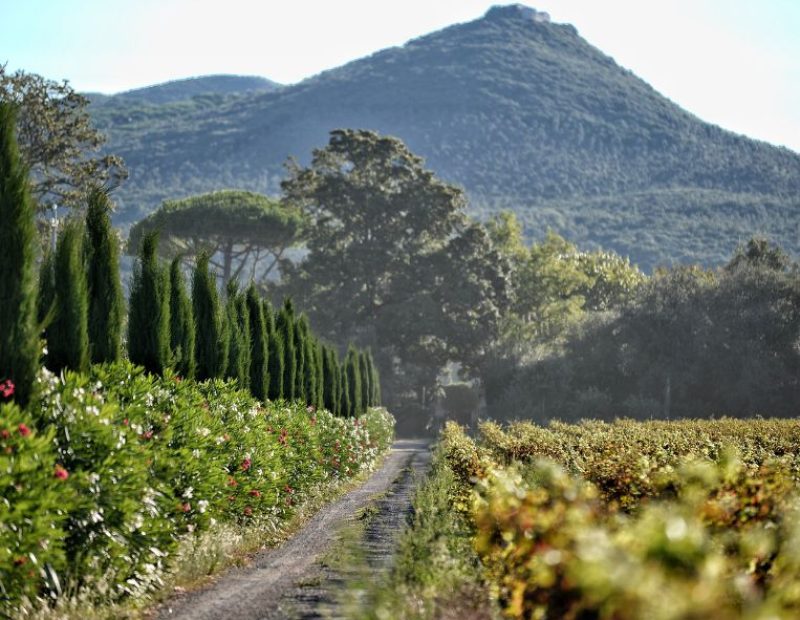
(735, 63)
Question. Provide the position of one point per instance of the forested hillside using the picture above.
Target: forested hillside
(524, 115)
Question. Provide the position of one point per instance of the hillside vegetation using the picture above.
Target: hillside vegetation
(524, 115)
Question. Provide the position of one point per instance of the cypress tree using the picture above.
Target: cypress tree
(308, 343)
(68, 334)
(318, 363)
(47, 291)
(238, 335)
(275, 350)
(374, 381)
(345, 404)
(243, 316)
(181, 322)
(300, 337)
(337, 382)
(259, 345)
(148, 314)
(19, 332)
(353, 372)
(211, 355)
(105, 288)
(284, 327)
(328, 381)
(365, 378)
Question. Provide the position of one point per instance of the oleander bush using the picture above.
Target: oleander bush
(108, 472)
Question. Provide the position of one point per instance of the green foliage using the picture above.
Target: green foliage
(353, 372)
(308, 343)
(435, 572)
(284, 329)
(300, 362)
(364, 380)
(68, 334)
(211, 345)
(345, 402)
(692, 343)
(45, 299)
(149, 310)
(276, 353)
(237, 319)
(33, 510)
(57, 139)
(259, 343)
(398, 233)
(106, 304)
(19, 341)
(182, 328)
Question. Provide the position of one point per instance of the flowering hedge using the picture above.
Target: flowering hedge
(105, 474)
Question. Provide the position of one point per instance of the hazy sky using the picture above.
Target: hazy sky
(735, 63)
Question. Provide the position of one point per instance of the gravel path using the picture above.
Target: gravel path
(289, 581)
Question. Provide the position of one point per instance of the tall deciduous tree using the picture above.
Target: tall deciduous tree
(211, 346)
(148, 314)
(182, 330)
(106, 308)
(68, 334)
(57, 140)
(386, 243)
(19, 339)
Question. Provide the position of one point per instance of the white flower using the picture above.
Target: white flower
(202, 505)
(188, 493)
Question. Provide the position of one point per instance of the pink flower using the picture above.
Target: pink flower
(246, 464)
(186, 507)
(147, 435)
(248, 511)
(255, 493)
(4, 434)
(24, 430)
(61, 473)
(232, 482)
(7, 388)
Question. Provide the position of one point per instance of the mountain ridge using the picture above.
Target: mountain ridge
(523, 114)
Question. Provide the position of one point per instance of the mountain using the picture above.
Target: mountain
(521, 112)
(182, 90)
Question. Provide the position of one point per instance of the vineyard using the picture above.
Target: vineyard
(686, 519)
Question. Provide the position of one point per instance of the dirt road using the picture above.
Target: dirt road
(290, 581)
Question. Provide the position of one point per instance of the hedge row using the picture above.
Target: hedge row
(106, 472)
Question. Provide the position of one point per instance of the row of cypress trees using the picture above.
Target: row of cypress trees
(79, 307)
(274, 353)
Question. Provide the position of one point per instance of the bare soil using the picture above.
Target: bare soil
(296, 580)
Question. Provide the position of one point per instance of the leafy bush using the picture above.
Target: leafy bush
(36, 497)
(109, 471)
